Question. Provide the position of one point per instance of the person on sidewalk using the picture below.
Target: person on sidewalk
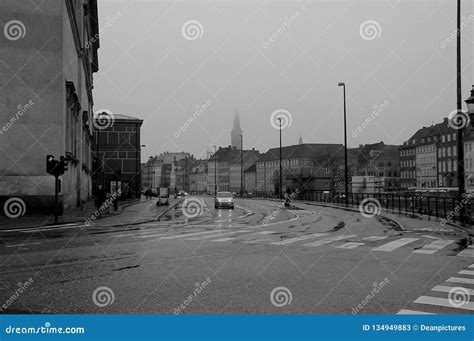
(100, 197)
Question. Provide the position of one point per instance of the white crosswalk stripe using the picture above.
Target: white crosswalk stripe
(329, 240)
(460, 280)
(350, 245)
(443, 302)
(466, 272)
(374, 238)
(395, 244)
(413, 312)
(184, 235)
(297, 239)
(434, 246)
(445, 288)
(208, 236)
(468, 252)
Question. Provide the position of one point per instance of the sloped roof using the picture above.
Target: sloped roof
(305, 150)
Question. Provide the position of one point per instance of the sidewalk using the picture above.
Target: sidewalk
(76, 215)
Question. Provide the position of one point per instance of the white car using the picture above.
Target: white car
(224, 200)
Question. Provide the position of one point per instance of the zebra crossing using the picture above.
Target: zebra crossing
(420, 245)
(456, 295)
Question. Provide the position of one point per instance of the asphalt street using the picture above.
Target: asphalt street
(257, 258)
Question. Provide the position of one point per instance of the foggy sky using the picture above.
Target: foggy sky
(403, 78)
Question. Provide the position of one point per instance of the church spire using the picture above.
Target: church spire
(301, 140)
(236, 131)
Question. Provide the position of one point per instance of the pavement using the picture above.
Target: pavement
(257, 258)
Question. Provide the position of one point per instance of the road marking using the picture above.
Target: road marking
(443, 302)
(471, 266)
(330, 240)
(153, 235)
(466, 272)
(218, 235)
(461, 280)
(296, 239)
(257, 235)
(350, 245)
(395, 244)
(374, 238)
(185, 235)
(434, 246)
(445, 288)
(467, 252)
(25, 244)
(413, 312)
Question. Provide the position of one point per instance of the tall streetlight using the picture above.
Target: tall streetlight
(215, 170)
(241, 165)
(346, 173)
(281, 168)
(460, 142)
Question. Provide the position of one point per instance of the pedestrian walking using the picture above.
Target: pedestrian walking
(100, 197)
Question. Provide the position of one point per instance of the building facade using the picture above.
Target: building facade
(118, 151)
(47, 102)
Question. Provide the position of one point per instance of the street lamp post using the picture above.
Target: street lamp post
(215, 170)
(241, 164)
(346, 173)
(281, 168)
(460, 142)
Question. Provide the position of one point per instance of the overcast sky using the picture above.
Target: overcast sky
(396, 58)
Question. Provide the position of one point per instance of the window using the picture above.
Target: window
(449, 151)
(443, 138)
(449, 137)
(454, 136)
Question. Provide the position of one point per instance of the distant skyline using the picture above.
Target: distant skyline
(186, 66)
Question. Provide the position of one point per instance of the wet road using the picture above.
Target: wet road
(257, 258)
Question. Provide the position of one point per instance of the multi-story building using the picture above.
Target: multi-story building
(446, 155)
(118, 151)
(236, 168)
(408, 165)
(49, 56)
(250, 177)
(160, 170)
(228, 167)
(308, 167)
(198, 177)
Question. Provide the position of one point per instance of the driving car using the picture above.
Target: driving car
(224, 200)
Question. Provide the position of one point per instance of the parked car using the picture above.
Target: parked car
(224, 200)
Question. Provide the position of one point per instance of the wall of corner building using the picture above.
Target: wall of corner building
(35, 68)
